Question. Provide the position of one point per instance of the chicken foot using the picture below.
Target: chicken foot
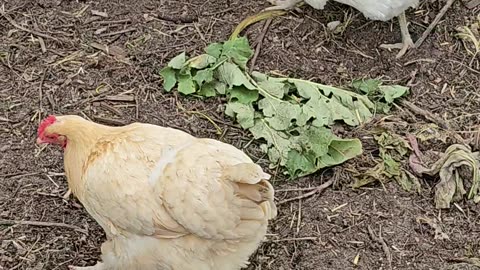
(283, 4)
(407, 42)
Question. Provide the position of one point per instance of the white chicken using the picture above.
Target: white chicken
(382, 10)
(166, 200)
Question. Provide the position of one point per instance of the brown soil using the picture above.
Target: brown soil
(325, 231)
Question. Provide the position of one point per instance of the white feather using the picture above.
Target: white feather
(167, 158)
(382, 10)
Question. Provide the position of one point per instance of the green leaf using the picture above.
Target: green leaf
(291, 115)
(393, 150)
(307, 89)
(275, 139)
(274, 88)
(238, 50)
(375, 89)
(319, 109)
(363, 112)
(368, 86)
(207, 90)
(298, 163)
(327, 104)
(169, 79)
(344, 109)
(178, 61)
(214, 49)
(186, 85)
(339, 151)
(258, 76)
(303, 118)
(202, 76)
(382, 107)
(392, 167)
(395, 144)
(274, 156)
(243, 95)
(280, 114)
(233, 76)
(242, 112)
(316, 140)
(408, 181)
(318, 148)
(392, 92)
(220, 87)
(201, 61)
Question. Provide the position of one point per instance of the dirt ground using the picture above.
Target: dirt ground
(54, 66)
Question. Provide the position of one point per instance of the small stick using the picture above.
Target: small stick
(181, 19)
(295, 239)
(18, 175)
(5, 119)
(111, 109)
(260, 41)
(41, 224)
(40, 91)
(428, 115)
(121, 98)
(67, 194)
(472, 4)
(51, 180)
(472, 261)
(223, 11)
(319, 189)
(434, 23)
(295, 189)
(195, 25)
(380, 240)
(42, 45)
(112, 22)
(118, 32)
(12, 22)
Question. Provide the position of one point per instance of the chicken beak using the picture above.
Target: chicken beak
(39, 141)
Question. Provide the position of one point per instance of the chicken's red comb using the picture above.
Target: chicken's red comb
(45, 123)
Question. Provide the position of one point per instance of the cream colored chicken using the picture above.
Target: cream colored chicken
(166, 199)
(382, 10)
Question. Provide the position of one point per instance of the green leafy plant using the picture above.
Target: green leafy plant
(382, 95)
(393, 150)
(292, 116)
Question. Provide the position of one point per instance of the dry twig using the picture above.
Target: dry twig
(319, 189)
(16, 25)
(41, 224)
(437, 19)
(118, 32)
(385, 247)
(260, 42)
(309, 238)
(473, 4)
(428, 115)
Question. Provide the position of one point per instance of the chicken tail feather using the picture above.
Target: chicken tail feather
(252, 183)
(269, 207)
(248, 173)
